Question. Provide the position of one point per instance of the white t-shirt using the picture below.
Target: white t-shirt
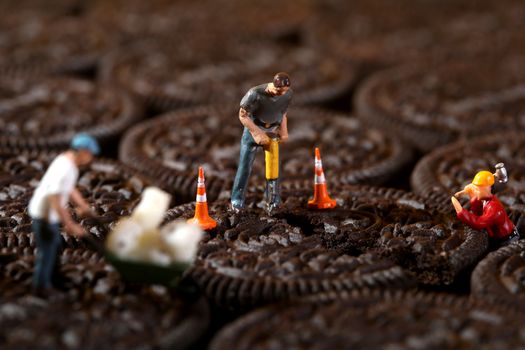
(60, 178)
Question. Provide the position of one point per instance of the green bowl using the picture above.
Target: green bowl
(147, 273)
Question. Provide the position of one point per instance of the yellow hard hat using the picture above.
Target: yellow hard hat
(483, 178)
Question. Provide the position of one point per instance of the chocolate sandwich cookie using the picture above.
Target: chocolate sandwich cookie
(265, 19)
(376, 320)
(499, 276)
(172, 147)
(57, 45)
(375, 238)
(448, 169)
(111, 189)
(94, 309)
(376, 33)
(261, 20)
(30, 9)
(209, 71)
(167, 76)
(45, 113)
(319, 77)
(429, 107)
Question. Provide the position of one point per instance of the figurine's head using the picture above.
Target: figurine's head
(281, 83)
(482, 182)
(483, 178)
(85, 147)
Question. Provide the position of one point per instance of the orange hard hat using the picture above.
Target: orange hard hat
(483, 178)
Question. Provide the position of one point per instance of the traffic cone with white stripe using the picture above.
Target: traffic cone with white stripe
(321, 198)
(202, 217)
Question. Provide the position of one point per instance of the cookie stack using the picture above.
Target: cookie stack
(406, 101)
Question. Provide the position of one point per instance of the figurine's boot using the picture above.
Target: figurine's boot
(272, 195)
(237, 206)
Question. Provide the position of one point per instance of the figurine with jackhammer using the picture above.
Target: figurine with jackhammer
(263, 113)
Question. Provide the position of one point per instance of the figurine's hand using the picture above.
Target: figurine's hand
(456, 204)
(84, 212)
(459, 193)
(261, 138)
(283, 137)
(466, 190)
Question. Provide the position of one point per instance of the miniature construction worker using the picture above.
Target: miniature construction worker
(486, 211)
(264, 117)
(48, 207)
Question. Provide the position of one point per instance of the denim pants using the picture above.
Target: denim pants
(48, 243)
(247, 156)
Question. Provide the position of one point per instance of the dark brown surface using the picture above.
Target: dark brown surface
(500, 276)
(42, 45)
(261, 20)
(375, 238)
(373, 320)
(431, 106)
(45, 113)
(378, 33)
(364, 35)
(95, 309)
(169, 75)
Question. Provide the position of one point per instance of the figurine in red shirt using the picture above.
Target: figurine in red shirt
(486, 211)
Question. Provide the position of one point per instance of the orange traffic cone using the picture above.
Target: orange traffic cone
(201, 217)
(321, 198)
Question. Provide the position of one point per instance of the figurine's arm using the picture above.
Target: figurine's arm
(488, 218)
(70, 226)
(83, 208)
(456, 204)
(258, 135)
(467, 190)
(283, 128)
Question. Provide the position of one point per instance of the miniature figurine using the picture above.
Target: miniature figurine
(48, 207)
(263, 114)
(321, 198)
(486, 211)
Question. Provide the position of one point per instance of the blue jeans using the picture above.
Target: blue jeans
(247, 156)
(48, 243)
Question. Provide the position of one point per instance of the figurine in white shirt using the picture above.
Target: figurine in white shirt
(48, 206)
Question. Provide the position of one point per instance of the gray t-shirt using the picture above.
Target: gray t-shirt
(266, 110)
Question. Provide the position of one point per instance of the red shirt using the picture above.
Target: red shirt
(476, 206)
(493, 217)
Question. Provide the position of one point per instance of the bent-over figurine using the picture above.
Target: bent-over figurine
(486, 211)
(48, 207)
(263, 114)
